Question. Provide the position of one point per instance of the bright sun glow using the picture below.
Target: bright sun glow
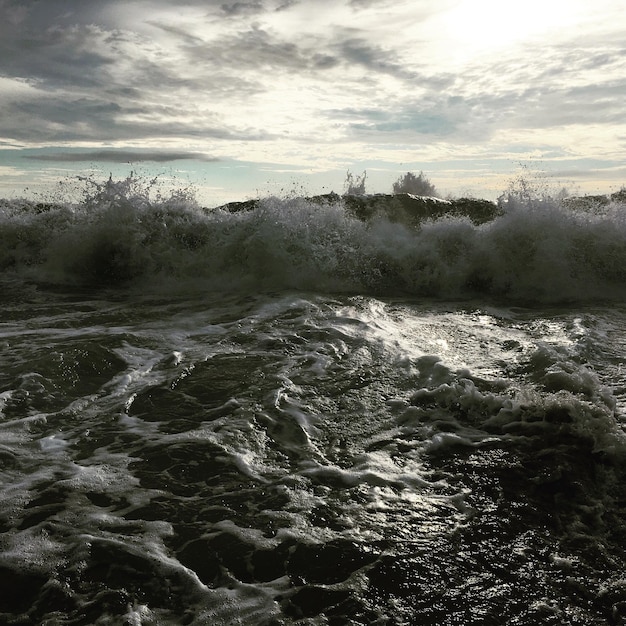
(488, 25)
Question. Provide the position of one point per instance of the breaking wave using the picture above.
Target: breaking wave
(121, 236)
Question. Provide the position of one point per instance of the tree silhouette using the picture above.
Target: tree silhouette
(417, 185)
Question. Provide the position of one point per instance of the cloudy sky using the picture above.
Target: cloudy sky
(241, 97)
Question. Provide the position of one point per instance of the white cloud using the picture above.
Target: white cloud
(15, 89)
(316, 83)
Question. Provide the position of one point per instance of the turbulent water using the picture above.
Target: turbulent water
(287, 415)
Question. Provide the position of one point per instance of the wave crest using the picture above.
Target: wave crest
(120, 234)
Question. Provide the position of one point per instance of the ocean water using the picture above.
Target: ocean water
(286, 415)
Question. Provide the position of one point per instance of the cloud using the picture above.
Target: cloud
(305, 81)
(590, 168)
(120, 156)
(61, 120)
(55, 57)
(239, 8)
(359, 51)
(250, 52)
(398, 124)
(178, 31)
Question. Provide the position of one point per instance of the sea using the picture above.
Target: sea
(288, 415)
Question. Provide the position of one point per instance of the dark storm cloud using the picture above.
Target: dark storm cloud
(93, 84)
(57, 119)
(60, 120)
(58, 57)
(354, 49)
(179, 32)
(54, 47)
(256, 50)
(120, 156)
(94, 78)
(239, 8)
(114, 71)
(360, 51)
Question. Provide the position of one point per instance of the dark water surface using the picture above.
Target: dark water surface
(303, 459)
(288, 415)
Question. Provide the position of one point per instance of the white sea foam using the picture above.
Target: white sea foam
(541, 252)
(250, 456)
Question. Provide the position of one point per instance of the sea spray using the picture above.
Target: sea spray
(118, 236)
